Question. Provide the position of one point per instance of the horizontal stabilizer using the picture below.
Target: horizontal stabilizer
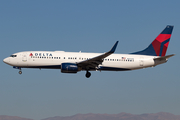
(164, 57)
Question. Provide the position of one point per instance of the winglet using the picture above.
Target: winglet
(113, 48)
(95, 61)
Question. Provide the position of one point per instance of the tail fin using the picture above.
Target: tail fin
(159, 46)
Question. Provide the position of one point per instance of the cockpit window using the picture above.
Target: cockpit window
(13, 55)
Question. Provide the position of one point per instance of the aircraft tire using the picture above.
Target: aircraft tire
(88, 74)
(20, 72)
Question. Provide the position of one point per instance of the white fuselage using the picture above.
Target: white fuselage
(73, 62)
(53, 60)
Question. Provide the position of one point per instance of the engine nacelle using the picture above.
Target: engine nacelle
(69, 68)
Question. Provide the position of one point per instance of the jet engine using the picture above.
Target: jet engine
(69, 68)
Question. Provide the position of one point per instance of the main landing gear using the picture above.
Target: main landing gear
(20, 72)
(88, 74)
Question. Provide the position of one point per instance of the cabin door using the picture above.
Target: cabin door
(24, 57)
(141, 62)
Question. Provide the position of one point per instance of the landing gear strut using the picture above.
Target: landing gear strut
(88, 74)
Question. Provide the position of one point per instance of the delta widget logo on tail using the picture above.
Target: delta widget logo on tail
(159, 46)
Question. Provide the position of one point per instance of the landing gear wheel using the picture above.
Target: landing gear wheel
(20, 72)
(88, 74)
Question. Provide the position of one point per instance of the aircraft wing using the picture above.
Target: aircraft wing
(94, 62)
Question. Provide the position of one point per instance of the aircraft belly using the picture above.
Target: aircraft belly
(49, 64)
(114, 67)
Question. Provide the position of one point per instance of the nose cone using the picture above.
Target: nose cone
(6, 60)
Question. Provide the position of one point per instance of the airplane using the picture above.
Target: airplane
(73, 62)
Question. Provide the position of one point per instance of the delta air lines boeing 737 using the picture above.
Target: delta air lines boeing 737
(73, 62)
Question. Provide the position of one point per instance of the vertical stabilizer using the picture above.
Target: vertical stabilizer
(159, 46)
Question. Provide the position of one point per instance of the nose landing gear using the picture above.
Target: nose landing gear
(20, 72)
(88, 74)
